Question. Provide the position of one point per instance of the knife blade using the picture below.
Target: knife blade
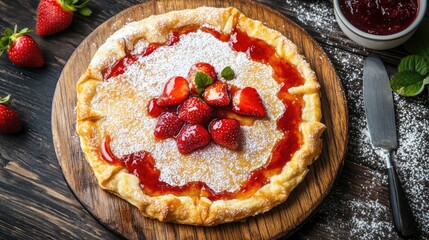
(378, 101)
(380, 115)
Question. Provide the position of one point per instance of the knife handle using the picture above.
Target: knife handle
(402, 216)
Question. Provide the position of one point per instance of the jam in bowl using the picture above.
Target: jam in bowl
(379, 24)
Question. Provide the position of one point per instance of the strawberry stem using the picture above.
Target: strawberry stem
(74, 5)
(82, 5)
(67, 5)
(5, 100)
(9, 36)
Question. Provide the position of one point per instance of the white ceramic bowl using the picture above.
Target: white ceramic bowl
(378, 42)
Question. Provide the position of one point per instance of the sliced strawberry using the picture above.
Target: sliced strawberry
(194, 111)
(217, 94)
(168, 125)
(248, 102)
(153, 109)
(191, 138)
(176, 90)
(225, 132)
(200, 67)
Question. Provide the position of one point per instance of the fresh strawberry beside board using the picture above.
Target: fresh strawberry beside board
(248, 102)
(21, 49)
(56, 15)
(9, 118)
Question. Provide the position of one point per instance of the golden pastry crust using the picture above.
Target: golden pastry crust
(184, 209)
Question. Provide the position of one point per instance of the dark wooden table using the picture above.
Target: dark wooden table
(36, 203)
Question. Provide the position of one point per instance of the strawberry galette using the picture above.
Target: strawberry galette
(199, 116)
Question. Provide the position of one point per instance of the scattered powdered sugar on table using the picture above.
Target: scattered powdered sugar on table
(131, 129)
(316, 15)
(322, 18)
(411, 158)
(363, 212)
(377, 211)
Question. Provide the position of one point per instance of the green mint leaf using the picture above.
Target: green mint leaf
(414, 63)
(228, 73)
(200, 90)
(418, 43)
(408, 83)
(202, 80)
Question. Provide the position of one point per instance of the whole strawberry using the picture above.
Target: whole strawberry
(168, 125)
(191, 138)
(9, 118)
(56, 15)
(195, 111)
(21, 49)
(225, 132)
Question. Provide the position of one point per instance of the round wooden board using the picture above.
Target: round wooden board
(122, 217)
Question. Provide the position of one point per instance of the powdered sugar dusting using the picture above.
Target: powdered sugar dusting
(373, 210)
(123, 99)
(363, 212)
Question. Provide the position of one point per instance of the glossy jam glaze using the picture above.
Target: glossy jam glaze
(142, 163)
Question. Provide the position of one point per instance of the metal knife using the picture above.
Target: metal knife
(380, 115)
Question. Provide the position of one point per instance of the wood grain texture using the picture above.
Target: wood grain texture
(123, 217)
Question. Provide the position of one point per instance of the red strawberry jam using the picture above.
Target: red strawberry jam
(284, 73)
(381, 17)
